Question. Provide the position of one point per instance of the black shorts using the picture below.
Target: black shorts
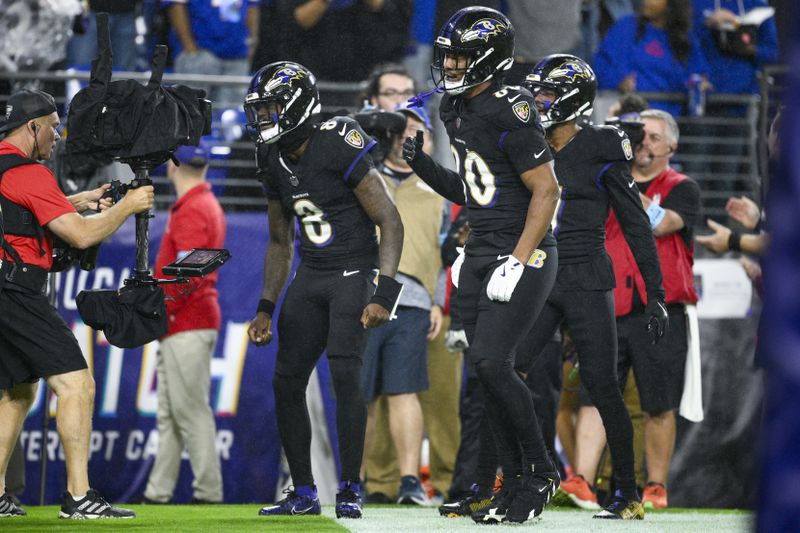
(35, 342)
(657, 368)
(396, 356)
(322, 310)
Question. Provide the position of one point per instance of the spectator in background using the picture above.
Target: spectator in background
(82, 48)
(724, 239)
(597, 16)
(747, 213)
(543, 28)
(734, 56)
(185, 419)
(388, 87)
(395, 359)
(653, 52)
(363, 32)
(732, 69)
(214, 38)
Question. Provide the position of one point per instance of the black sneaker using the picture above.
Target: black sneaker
(411, 492)
(496, 511)
(90, 506)
(348, 500)
(9, 507)
(532, 495)
(475, 501)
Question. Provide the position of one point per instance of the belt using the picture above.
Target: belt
(24, 278)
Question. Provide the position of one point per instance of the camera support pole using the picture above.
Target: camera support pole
(143, 230)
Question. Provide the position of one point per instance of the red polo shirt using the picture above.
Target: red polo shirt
(35, 188)
(196, 220)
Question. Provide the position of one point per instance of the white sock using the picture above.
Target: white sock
(78, 498)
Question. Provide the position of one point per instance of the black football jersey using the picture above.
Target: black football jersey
(495, 137)
(593, 173)
(581, 168)
(335, 231)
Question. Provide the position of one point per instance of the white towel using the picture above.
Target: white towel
(692, 400)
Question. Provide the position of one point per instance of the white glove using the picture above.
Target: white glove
(504, 278)
(455, 270)
(456, 340)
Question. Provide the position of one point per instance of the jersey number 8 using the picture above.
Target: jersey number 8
(312, 218)
(478, 176)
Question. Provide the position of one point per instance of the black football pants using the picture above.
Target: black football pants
(322, 310)
(494, 329)
(589, 315)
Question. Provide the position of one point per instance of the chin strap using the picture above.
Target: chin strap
(291, 141)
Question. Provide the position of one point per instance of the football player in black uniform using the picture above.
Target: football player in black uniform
(593, 171)
(505, 178)
(322, 174)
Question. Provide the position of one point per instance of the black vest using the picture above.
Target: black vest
(16, 219)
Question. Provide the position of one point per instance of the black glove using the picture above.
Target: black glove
(412, 147)
(658, 321)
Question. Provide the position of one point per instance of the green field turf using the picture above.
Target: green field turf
(190, 518)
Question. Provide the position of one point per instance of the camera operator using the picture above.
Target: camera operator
(389, 86)
(396, 356)
(35, 341)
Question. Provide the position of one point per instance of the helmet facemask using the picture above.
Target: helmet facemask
(478, 69)
(573, 83)
(554, 111)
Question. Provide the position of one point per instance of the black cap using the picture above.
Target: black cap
(26, 105)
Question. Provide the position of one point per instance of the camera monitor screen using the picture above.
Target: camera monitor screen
(198, 262)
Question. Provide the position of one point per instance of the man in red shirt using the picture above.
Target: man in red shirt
(184, 356)
(35, 342)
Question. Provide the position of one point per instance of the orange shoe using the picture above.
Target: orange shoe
(498, 482)
(654, 496)
(579, 492)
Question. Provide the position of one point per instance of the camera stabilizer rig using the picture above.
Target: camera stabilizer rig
(198, 263)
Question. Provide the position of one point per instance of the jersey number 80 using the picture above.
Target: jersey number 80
(479, 178)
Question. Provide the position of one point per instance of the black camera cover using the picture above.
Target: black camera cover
(127, 120)
(130, 317)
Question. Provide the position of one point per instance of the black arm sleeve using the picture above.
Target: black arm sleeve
(624, 197)
(442, 180)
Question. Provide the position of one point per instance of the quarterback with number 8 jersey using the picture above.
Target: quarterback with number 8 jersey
(505, 178)
(322, 175)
